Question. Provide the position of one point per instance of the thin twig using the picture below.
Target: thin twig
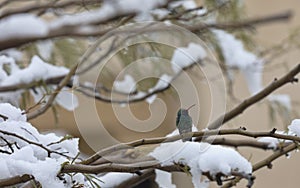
(49, 152)
(3, 117)
(51, 99)
(283, 16)
(133, 98)
(35, 105)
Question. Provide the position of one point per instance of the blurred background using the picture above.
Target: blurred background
(257, 118)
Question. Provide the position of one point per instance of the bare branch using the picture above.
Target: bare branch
(277, 83)
(146, 174)
(238, 143)
(15, 180)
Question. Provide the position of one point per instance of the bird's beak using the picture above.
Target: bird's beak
(190, 107)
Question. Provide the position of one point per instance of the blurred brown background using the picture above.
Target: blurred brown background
(284, 172)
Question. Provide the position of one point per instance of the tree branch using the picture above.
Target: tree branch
(3, 117)
(77, 31)
(132, 98)
(53, 80)
(277, 83)
(146, 174)
(15, 180)
(266, 162)
(49, 152)
(282, 16)
(110, 167)
(199, 136)
(238, 143)
(50, 101)
(43, 6)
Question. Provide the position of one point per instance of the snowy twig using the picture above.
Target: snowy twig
(178, 15)
(100, 87)
(51, 99)
(8, 145)
(93, 92)
(15, 180)
(277, 83)
(266, 162)
(3, 117)
(133, 99)
(49, 81)
(49, 152)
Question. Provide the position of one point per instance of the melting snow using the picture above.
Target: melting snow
(236, 56)
(127, 85)
(295, 127)
(22, 26)
(184, 57)
(282, 99)
(36, 71)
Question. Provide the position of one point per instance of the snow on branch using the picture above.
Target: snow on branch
(33, 77)
(192, 157)
(10, 26)
(202, 158)
(267, 162)
(18, 137)
(183, 59)
(84, 24)
(28, 151)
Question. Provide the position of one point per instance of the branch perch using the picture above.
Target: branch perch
(15, 180)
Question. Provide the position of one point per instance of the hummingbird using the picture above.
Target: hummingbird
(184, 123)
